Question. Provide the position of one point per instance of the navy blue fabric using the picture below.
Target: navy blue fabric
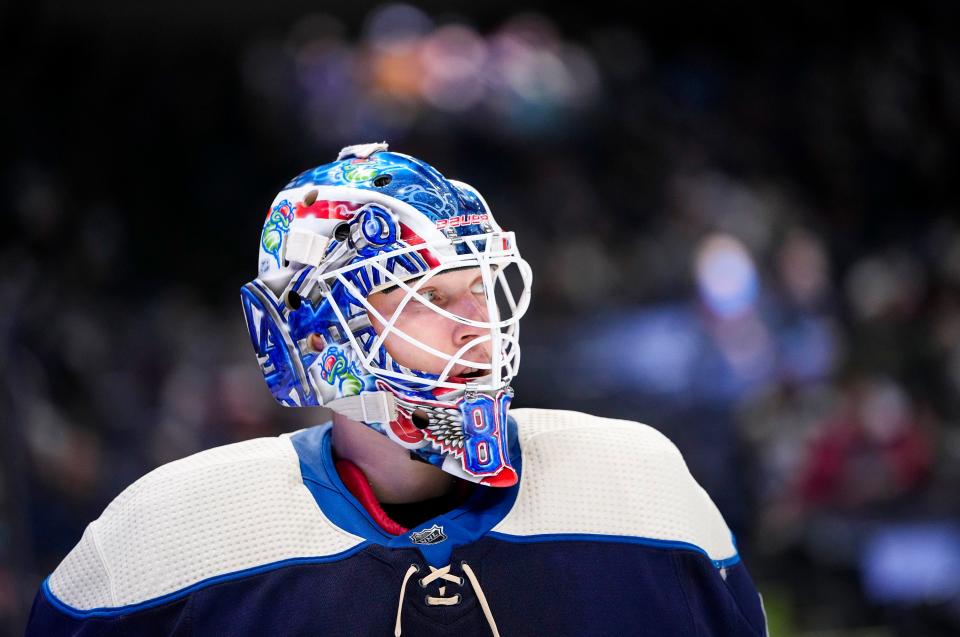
(574, 588)
(173, 619)
(719, 604)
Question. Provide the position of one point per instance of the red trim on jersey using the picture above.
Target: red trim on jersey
(356, 482)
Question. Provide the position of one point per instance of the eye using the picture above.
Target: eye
(430, 295)
(477, 287)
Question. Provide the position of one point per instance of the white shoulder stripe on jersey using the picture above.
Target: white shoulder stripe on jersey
(585, 475)
(221, 511)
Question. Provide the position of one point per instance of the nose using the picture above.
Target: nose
(469, 306)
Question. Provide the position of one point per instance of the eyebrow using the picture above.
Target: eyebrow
(413, 281)
(395, 286)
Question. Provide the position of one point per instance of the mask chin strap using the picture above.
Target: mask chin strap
(368, 406)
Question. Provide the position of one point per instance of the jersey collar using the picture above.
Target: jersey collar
(434, 538)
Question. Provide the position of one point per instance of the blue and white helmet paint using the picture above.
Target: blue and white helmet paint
(366, 222)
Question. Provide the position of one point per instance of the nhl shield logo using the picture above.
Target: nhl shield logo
(433, 535)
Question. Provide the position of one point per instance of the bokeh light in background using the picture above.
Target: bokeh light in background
(745, 231)
(406, 68)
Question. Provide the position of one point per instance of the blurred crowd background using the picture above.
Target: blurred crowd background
(744, 228)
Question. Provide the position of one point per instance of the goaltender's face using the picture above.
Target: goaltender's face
(459, 292)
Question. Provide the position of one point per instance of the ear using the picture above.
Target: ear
(316, 342)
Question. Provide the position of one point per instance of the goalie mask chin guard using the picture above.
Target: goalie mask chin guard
(372, 221)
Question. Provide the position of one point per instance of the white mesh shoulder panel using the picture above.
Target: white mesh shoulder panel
(217, 512)
(584, 474)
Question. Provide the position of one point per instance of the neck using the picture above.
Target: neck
(395, 477)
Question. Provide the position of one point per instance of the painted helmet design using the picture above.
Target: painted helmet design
(369, 221)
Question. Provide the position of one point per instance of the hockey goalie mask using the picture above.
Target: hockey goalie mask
(374, 221)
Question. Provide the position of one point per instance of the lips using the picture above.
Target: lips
(468, 374)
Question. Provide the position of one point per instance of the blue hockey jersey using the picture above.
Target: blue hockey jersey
(606, 533)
